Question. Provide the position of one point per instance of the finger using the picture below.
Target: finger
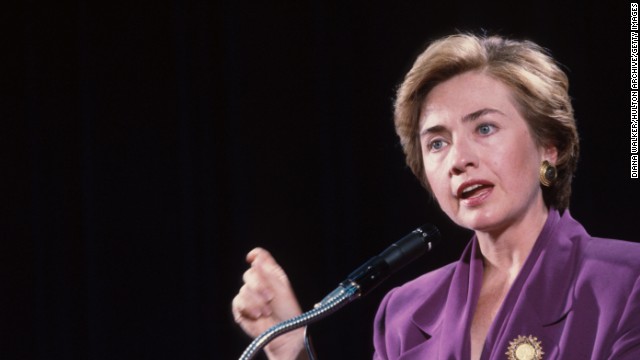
(255, 303)
(271, 272)
(249, 304)
(266, 264)
(255, 280)
(262, 257)
(236, 309)
(251, 255)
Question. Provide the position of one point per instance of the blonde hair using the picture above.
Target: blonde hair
(539, 86)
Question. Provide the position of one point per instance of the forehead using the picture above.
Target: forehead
(464, 94)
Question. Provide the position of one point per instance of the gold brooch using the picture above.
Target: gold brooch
(525, 348)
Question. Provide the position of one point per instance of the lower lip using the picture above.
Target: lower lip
(477, 199)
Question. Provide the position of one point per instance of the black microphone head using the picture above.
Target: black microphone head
(373, 272)
(412, 246)
(430, 235)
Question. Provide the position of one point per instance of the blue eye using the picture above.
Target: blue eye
(435, 145)
(485, 129)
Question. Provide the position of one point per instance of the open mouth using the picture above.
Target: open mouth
(473, 191)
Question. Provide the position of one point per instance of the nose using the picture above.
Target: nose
(462, 156)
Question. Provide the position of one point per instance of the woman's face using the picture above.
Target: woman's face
(479, 156)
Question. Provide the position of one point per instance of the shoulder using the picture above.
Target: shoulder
(430, 289)
(419, 288)
(598, 256)
(424, 296)
(612, 252)
(609, 263)
(606, 271)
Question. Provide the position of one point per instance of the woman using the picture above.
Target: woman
(487, 125)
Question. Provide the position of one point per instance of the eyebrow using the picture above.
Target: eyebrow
(467, 118)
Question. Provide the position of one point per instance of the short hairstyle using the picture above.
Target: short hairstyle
(539, 87)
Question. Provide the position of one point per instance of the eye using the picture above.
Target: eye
(486, 129)
(435, 145)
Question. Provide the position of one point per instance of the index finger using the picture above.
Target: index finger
(257, 253)
(263, 261)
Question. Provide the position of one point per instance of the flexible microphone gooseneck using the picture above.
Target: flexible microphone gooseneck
(359, 283)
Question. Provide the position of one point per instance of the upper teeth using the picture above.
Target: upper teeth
(471, 188)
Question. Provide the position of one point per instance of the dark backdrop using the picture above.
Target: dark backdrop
(149, 145)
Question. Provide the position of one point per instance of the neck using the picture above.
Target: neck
(505, 250)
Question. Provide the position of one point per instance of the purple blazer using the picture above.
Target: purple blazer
(576, 297)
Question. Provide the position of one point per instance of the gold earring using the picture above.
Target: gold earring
(548, 173)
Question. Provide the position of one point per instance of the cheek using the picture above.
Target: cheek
(437, 180)
(430, 173)
(523, 164)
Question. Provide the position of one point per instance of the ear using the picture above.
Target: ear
(550, 153)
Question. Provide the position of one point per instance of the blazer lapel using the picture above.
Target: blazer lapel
(446, 330)
(541, 297)
(536, 305)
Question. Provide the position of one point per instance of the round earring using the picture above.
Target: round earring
(548, 173)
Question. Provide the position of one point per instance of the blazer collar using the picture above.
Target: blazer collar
(542, 294)
(548, 273)
(453, 316)
(550, 270)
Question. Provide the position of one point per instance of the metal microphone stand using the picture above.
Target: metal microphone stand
(341, 296)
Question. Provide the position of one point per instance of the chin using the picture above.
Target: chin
(477, 221)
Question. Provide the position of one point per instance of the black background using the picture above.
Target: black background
(149, 145)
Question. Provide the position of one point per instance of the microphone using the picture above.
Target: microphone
(370, 274)
(358, 283)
